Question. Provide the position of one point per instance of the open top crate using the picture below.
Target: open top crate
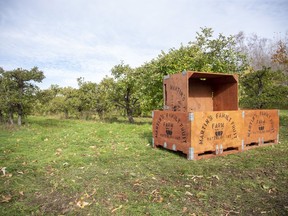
(201, 117)
(195, 91)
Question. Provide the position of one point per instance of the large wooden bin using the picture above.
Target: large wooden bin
(260, 127)
(196, 91)
(198, 134)
(201, 117)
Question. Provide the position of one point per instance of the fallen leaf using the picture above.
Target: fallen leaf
(82, 204)
(201, 194)
(20, 172)
(265, 187)
(155, 191)
(86, 195)
(188, 193)
(6, 198)
(215, 176)
(115, 209)
(65, 164)
(93, 192)
(21, 193)
(58, 151)
(184, 209)
(159, 199)
(46, 139)
(9, 175)
(3, 170)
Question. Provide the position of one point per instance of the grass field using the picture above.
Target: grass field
(74, 167)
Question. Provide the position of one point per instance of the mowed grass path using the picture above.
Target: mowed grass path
(74, 167)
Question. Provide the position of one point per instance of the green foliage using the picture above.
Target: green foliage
(18, 91)
(263, 89)
(96, 97)
(124, 89)
(206, 54)
(85, 102)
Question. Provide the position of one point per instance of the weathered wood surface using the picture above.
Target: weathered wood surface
(199, 133)
(175, 92)
(171, 130)
(195, 91)
(216, 130)
(208, 134)
(260, 127)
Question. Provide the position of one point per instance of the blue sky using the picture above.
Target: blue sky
(68, 39)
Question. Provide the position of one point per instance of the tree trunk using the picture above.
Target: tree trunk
(10, 116)
(66, 114)
(130, 115)
(1, 116)
(128, 106)
(19, 120)
(20, 114)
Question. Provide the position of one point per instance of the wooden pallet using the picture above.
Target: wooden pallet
(204, 155)
(260, 143)
(212, 154)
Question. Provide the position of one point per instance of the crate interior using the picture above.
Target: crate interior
(212, 92)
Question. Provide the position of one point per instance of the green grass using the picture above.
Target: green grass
(55, 166)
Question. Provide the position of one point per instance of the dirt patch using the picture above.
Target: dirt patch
(53, 203)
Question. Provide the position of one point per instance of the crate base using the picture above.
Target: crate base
(261, 144)
(203, 155)
(212, 154)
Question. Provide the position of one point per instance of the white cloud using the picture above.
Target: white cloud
(68, 39)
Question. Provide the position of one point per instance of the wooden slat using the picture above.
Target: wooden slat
(263, 124)
(212, 130)
(260, 127)
(197, 91)
(171, 130)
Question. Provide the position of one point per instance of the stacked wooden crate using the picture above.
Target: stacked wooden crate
(201, 117)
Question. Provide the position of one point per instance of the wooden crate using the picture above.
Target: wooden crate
(198, 134)
(197, 91)
(261, 127)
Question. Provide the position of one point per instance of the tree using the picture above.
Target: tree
(264, 83)
(18, 91)
(43, 100)
(124, 90)
(95, 97)
(67, 101)
(104, 97)
(206, 54)
(280, 55)
(263, 89)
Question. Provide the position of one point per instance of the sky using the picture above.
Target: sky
(68, 39)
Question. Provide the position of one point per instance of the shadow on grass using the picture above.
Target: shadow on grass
(148, 136)
(283, 120)
(49, 122)
(177, 153)
(142, 121)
